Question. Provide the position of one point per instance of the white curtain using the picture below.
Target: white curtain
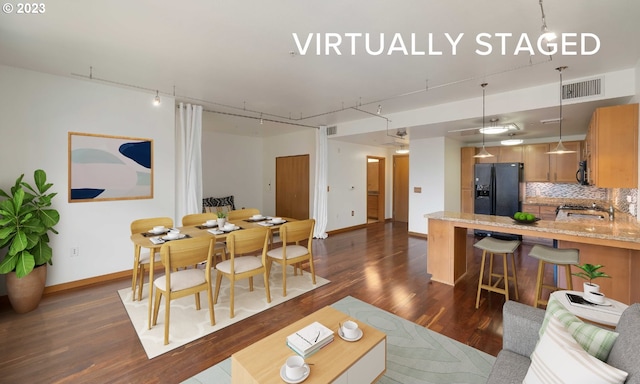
(189, 161)
(320, 200)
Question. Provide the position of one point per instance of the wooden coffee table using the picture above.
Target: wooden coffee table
(362, 361)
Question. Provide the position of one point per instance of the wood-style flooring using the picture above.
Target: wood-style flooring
(85, 336)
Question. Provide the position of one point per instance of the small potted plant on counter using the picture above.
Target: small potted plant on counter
(222, 218)
(590, 272)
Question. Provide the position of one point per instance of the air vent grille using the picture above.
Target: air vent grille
(586, 88)
(332, 130)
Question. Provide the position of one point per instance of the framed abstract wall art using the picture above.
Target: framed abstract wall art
(103, 168)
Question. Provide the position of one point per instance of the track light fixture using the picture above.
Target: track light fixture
(156, 100)
(547, 35)
(379, 109)
(483, 152)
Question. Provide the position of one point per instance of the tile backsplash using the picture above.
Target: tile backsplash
(623, 199)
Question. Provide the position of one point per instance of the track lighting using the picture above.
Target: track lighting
(156, 100)
(379, 109)
(548, 36)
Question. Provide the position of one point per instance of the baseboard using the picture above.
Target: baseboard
(85, 282)
(347, 229)
(418, 234)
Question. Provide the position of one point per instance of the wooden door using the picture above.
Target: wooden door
(401, 188)
(376, 187)
(292, 186)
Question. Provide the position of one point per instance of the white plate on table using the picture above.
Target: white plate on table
(343, 337)
(180, 236)
(283, 374)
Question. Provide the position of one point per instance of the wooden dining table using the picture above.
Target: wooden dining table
(143, 240)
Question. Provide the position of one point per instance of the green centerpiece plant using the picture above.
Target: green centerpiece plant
(590, 272)
(26, 218)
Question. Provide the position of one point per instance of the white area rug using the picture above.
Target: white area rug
(188, 324)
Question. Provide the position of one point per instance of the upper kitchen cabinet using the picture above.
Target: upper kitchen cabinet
(563, 168)
(511, 154)
(612, 147)
(540, 166)
(536, 162)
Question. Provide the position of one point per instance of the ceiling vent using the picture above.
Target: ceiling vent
(332, 130)
(586, 88)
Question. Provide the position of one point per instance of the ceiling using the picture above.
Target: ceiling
(240, 58)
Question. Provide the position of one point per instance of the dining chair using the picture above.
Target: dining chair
(201, 218)
(142, 258)
(292, 251)
(240, 214)
(181, 279)
(247, 258)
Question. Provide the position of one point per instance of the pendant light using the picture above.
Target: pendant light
(483, 152)
(560, 148)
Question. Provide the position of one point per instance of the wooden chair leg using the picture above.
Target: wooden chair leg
(567, 269)
(156, 306)
(505, 273)
(167, 310)
(266, 286)
(484, 253)
(284, 277)
(539, 283)
(212, 315)
(515, 274)
(218, 283)
(313, 271)
(231, 299)
(141, 283)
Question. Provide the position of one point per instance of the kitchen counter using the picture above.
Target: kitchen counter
(615, 244)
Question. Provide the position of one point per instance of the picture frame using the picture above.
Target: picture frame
(107, 168)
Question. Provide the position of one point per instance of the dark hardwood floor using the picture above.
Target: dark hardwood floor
(85, 336)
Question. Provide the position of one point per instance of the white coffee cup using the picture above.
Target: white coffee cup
(294, 367)
(173, 235)
(350, 329)
(594, 297)
(158, 229)
(211, 223)
(229, 226)
(256, 217)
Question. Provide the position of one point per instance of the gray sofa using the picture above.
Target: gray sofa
(521, 324)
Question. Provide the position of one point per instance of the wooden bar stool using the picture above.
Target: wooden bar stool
(557, 256)
(496, 246)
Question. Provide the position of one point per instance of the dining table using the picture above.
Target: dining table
(154, 241)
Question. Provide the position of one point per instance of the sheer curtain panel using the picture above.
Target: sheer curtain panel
(189, 161)
(320, 199)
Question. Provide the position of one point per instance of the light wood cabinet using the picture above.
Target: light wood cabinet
(511, 154)
(563, 168)
(544, 212)
(536, 162)
(467, 162)
(540, 166)
(612, 147)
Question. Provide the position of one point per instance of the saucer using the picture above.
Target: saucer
(278, 222)
(229, 230)
(605, 303)
(209, 226)
(284, 377)
(180, 236)
(158, 232)
(343, 337)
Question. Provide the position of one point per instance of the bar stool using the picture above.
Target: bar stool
(557, 256)
(504, 247)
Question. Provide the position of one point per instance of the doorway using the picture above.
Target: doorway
(292, 187)
(375, 188)
(401, 188)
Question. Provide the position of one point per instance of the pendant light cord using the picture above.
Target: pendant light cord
(560, 69)
(483, 85)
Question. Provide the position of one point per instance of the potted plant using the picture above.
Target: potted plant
(590, 272)
(25, 221)
(222, 218)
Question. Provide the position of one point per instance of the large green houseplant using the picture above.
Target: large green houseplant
(26, 218)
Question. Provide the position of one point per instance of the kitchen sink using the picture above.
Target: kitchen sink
(583, 215)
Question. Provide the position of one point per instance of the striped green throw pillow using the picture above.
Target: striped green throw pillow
(595, 340)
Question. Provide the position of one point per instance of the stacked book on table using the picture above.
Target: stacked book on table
(310, 339)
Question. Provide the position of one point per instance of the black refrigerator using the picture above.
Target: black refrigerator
(497, 192)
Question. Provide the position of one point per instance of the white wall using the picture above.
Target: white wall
(231, 165)
(348, 183)
(434, 166)
(297, 143)
(36, 113)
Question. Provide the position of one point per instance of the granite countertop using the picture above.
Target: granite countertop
(624, 228)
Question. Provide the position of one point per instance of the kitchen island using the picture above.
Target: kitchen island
(614, 244)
